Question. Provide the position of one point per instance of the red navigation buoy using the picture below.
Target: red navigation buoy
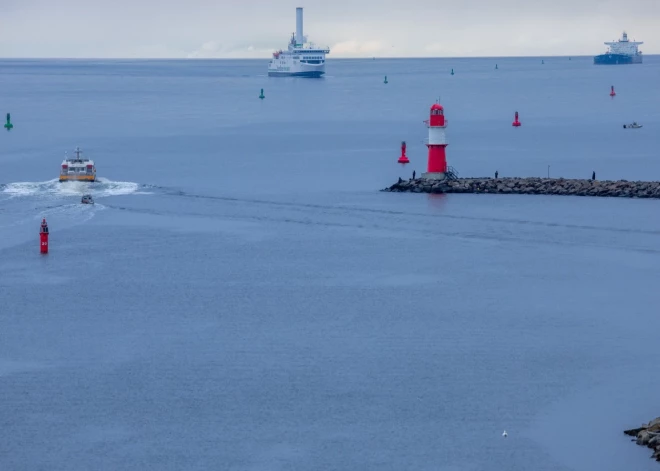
(43, 236)
(403, 159)
(612, 92)
(437, 164)
(516, 123)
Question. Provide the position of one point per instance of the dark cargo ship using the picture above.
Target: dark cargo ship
(622, 51)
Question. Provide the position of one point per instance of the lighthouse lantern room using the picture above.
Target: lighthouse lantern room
(437, 142)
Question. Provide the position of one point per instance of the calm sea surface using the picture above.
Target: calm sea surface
(242, 297)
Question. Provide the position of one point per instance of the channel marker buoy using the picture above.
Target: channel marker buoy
(43, 237)
(403, 159)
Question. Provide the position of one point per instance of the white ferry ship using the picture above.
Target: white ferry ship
(302, 59)
(78, 169)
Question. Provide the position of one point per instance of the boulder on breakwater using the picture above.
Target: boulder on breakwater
(531, 186)
(648, 435)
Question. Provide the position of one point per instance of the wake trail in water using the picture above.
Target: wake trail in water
(387, 227)
(65, 214)
(54, 189)
(60, 201)
(353, 209)
(77, 213)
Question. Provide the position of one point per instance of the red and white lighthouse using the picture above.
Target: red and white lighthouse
(437, 163)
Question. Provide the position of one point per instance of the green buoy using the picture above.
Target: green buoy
(385, 81)
(452, 71)
(261, 95)
(8, 125)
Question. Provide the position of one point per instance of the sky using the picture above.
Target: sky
(351, 28)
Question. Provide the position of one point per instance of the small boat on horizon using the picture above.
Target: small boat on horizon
(634, 125)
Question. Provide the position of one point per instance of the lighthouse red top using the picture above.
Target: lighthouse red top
(437, 115)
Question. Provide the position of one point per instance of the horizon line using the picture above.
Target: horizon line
(327, 58)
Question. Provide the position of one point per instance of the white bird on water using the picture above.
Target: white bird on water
(504, 434)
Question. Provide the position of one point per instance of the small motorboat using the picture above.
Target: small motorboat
(634, 125)
(87, 199)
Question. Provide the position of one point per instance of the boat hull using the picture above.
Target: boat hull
(309, 74)
(287, 67)
(77, 178)
(617, 59)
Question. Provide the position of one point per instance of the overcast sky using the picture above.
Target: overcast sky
(351, 28)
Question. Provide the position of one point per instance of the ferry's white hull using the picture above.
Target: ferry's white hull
(294, 69)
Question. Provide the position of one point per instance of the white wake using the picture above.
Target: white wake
(54, 189)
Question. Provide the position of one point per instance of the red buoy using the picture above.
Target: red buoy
(516, 123)
(43, 236)
(437, 164)
(403, 159)
(612, 92)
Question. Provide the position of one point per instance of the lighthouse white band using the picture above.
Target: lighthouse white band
(437, 136)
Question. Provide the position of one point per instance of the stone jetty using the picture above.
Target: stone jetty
(531, 186)
(648, 435)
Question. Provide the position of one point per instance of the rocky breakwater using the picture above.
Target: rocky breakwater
(531, 186)
(648, 435)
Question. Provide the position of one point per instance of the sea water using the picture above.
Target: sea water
(242, 297)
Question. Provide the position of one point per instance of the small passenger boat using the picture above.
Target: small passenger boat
(78, 169)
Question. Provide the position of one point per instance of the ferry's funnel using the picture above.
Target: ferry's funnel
(299, 26)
